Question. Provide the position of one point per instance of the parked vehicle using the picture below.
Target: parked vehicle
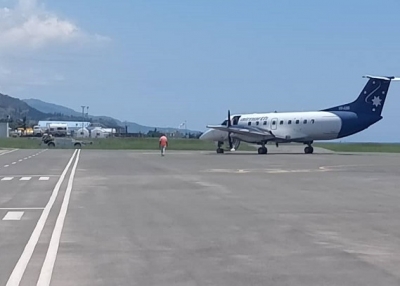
(59, 130)
(52, 142)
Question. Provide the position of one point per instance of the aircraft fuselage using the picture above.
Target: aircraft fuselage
(328, 124)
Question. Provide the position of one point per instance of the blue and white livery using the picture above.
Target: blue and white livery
(304, 127)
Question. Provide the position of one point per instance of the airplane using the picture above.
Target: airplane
(303, 127)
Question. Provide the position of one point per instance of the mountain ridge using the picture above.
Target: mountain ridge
(133, 127)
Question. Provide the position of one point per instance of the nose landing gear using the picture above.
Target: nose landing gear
(219, 149)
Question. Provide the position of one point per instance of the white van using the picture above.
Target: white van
(57, 129)
(37, 131)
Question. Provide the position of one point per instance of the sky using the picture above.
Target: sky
(159, 63)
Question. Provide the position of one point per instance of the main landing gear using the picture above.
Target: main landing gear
(263, 149)
(309, 149)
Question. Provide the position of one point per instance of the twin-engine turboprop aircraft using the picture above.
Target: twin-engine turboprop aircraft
(303, 127)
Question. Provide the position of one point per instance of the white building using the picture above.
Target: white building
(82, 133)
(98, 133)
(72, 125)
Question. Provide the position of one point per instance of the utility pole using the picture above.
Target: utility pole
(83, 115)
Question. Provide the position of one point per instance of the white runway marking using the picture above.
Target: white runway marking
(266, 171)
(28, 178)
(21, 160)
(6, 166)
(10, 209)
(13, 215)
(48, 265)
(8, 152)
(35, 175)
(23, 261)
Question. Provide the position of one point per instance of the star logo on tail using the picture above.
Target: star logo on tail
(376, 101)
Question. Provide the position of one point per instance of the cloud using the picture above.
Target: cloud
(29, 26)
(37, 46)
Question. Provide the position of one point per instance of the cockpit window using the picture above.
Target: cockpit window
(225, 122)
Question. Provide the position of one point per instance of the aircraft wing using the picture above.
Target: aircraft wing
(257, 132)
(248, 131)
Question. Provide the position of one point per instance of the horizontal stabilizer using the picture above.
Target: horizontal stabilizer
(382, 77)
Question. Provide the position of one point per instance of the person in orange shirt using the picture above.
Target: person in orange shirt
(163, 144)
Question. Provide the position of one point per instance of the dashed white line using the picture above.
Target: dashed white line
(48, 265)
(27, 178)
(23, 261)
(21, 160)
(9, 209)
(13, 215)
(36, 175)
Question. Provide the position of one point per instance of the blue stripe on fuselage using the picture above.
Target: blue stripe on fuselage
(354, 122)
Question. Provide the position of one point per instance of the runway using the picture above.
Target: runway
(88, 217)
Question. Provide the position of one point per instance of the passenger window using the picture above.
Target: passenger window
(312, 121)
(257, 122)
(273, 122)
(281, 122)
(305, 121)
(289, 122)
(249, 123)
(265, 123)
(297, 121)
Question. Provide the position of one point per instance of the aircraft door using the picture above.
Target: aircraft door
(274, 123)
(235, 120)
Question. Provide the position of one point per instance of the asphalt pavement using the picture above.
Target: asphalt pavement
(91, 217)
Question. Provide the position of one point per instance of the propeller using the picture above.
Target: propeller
(229, 133)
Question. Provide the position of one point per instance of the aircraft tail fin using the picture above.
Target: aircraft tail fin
(371, 99)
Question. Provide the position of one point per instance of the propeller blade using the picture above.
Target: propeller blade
(229, 133)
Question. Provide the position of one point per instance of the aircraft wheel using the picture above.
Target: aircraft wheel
(220, 150)
(262, 150)
(309, 150)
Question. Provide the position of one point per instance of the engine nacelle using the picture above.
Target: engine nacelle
(235, 143)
